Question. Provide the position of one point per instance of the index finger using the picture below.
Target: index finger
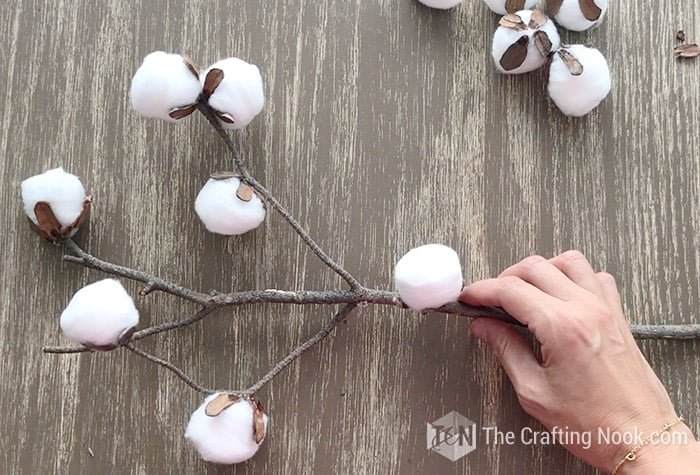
(522, 300)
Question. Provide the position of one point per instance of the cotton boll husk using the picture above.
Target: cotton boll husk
(61, 190)
(226, 438)
(240, 94)
(578, 95)
(572, 18)
(98, 314)
(162, 83)
(222, 212)
(428, 277)
(504, 37)
(440, 4)
(499, 6)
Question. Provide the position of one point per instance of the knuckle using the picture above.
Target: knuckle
(606, 278)
(532, 260)
(573, 256)
(528, 264)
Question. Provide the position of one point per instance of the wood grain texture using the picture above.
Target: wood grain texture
(386, 126)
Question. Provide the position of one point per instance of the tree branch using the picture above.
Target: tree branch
(270, 199)
(356, 295)
(79, 256)
(166, 364)
(299, 350)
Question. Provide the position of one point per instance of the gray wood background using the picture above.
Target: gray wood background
(385, 127)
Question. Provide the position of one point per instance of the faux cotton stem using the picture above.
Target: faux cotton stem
(272, 201)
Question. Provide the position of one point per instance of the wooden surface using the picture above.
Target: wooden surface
(385, 127)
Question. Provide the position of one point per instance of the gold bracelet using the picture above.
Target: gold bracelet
(632, 454)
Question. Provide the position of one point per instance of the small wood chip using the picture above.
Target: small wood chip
(223, 175)
(212, 81)
(181, 112)
(573, 65)
(245, 192)
(217, 405)
(513, 6)
(48, 223)
(680, 36)
(687, 51)
(515, 54)
(258, 421)
(92, 454)
(590, 10)
(191, 66)
(537, 20)
(543, 43)
(512, 21)
(553, 7)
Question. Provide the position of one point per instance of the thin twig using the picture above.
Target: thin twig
(166, 364)
(269, 198)
(299, 350)
(168, 326)
(79, 256)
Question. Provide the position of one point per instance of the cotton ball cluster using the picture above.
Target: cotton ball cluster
(55, 203)
(523, 42)
(509, 6)
(579, 79)
(440, 4)
(227, 429)
(234, 89)
(99, 315)
(578, 15)
(428, 277)
(227, 206)
(166, 86)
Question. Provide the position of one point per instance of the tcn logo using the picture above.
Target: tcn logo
(453, 436)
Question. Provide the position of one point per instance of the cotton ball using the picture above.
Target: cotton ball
(523, 41)
(440, 4)
(65, 196)
(579, 79)
(227, 206)
(578, 15)
(428, 277)
(99, 315)
(509, 6)
(234, 90)
(166, 86)
(227, 429)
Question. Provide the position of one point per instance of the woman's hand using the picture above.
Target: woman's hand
(592, 376)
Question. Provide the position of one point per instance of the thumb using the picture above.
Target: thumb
(512, 349)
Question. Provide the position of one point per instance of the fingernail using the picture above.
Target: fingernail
(478, 329)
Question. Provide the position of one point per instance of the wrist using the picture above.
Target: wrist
(672, 451)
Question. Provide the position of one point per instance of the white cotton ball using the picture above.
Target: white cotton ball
(579, 15)
(61, 190)
(223, 212)
(228, 437)
(577, 95)
(504, 38)
(239, 95)
(440, 4)
(504, 6)
(98, 314)
(428, 277)
(162, 83)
